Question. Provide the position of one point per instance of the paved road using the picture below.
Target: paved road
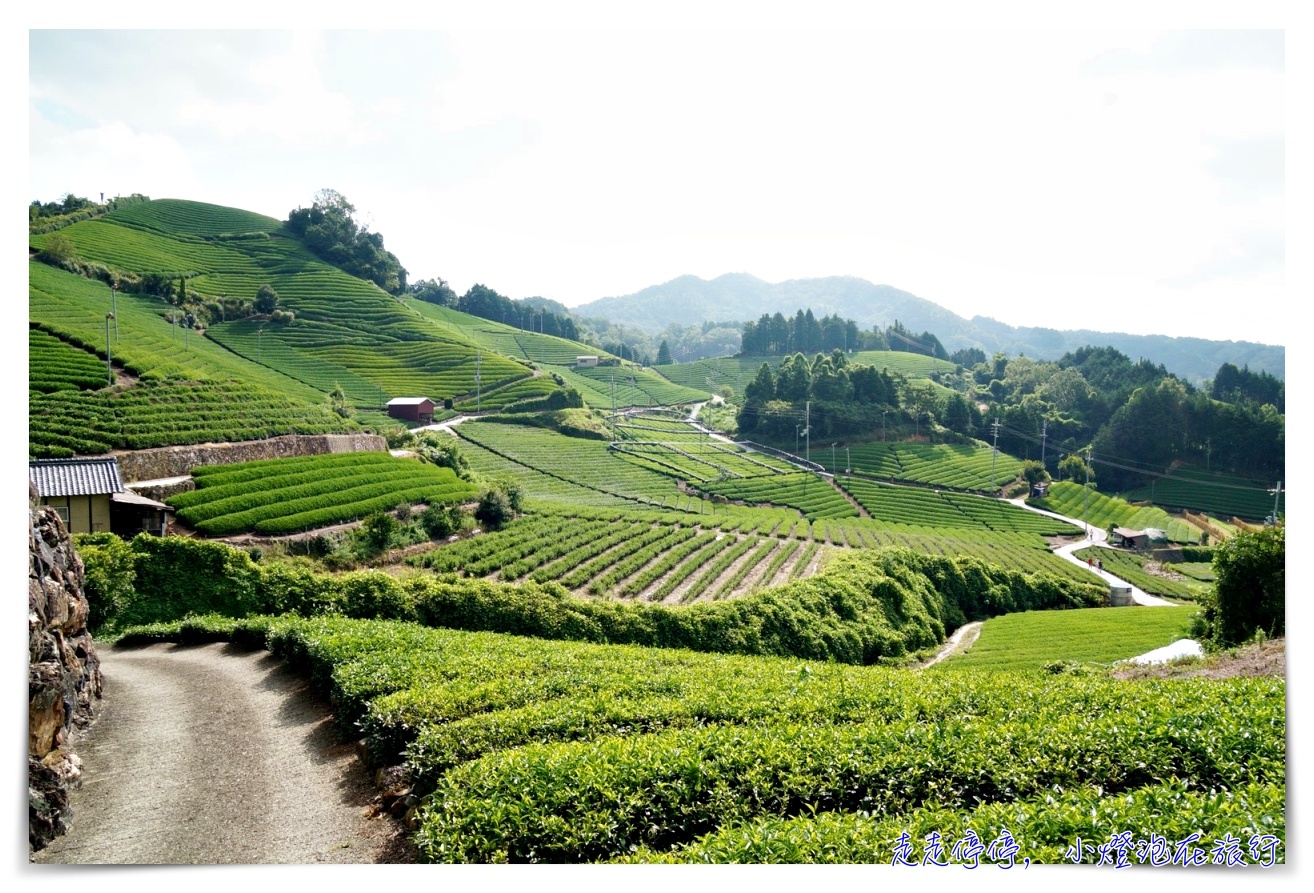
(1098, 538)
(210, 754)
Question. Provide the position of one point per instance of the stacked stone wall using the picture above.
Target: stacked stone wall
(64, 679)
(170, 462)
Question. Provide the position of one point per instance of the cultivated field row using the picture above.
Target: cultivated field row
(670, 563)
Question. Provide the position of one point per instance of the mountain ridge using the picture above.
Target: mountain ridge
(741, 297)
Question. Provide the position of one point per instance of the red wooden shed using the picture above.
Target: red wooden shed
(411, 409)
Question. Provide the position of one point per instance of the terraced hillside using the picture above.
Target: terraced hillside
(345, 331)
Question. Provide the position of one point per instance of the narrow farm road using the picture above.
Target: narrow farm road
(1095, 537)
(214, 755)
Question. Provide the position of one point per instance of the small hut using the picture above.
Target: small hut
(412, 409)
(89, 497)
(1131, 539)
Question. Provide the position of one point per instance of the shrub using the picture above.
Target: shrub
(494, 509)
(441, 521)
(109, 575)
(378, 531)
(176, 576)
(1249, 594)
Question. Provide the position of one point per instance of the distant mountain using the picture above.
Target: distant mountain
(738, 296)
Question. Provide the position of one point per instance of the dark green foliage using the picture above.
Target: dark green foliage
(867, 607)
(1250, 588)
(378, 531)
(266, 299)
(484, 302)
(328, 230)
(1234, 385)
(441, 521)
(109, 575)
(773, 335)
(176, 576)
(435, 291)
(494, 509)
(1074, 468)
(1033, 472)
(1169, 422)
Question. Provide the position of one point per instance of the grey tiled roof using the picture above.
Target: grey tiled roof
(74, 477)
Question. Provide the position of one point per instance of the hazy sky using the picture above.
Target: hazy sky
(1123, 180)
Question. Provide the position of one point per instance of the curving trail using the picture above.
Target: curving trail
(211, 754)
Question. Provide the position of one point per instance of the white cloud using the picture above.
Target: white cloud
(112, 159)
(995, 171)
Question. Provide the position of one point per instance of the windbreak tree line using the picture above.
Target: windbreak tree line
(485, 303)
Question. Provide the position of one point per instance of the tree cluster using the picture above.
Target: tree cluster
(1250, 589)
(774, 335)
(329, 231)
(485, 303)
(1233, 385)
(846, 398)
(1137, 417)
(69, 204)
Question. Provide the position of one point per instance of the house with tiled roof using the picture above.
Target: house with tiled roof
(89, 497)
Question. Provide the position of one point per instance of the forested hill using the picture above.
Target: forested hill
(742, 297)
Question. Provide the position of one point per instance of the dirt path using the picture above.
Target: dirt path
(211, 754)
(962, 638)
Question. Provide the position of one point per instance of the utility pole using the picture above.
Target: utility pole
(479, 356)
(1044, 428)
(832, 457)
(848, 465)
(1085, 510)
(613, 403)
(1277, 492)
(994, 451)
(109, 362)
(884, 413)
(807, 427)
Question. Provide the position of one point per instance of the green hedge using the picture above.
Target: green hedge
(869, 606)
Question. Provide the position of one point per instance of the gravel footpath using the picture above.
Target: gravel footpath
(215, 755)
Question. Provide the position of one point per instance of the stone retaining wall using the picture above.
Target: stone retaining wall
(168, 462)
(64, 679)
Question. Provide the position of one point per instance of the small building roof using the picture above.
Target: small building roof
(1127, 532)
(408, 401)
(127, 497)
(75, 477)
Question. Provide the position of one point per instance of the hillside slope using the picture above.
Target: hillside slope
(176, 261)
